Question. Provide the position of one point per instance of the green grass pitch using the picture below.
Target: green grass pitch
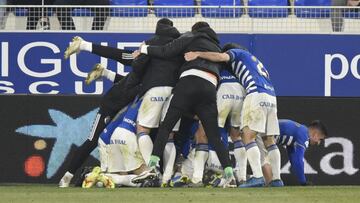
(52, 194)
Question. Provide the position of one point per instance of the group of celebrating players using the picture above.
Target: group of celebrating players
(168, 122)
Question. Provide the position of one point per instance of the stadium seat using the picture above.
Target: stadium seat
(221, 12)
(21, 11)
(129, 12)
(25, 12)
(174, 12)
(82, 12)
(352, 13)
(351, 21)
(312, 12)
(268, 12)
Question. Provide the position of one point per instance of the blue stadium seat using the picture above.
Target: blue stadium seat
(268, 12)
(21, 11)
(174, 12)
(312, 13)
(25, 11)
(352, 13)
(82, 12)
(129, 12)
(221, 12)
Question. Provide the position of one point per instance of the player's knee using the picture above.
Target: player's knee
(142, 129)
(235, 134)
(248, 135)
(268, 140)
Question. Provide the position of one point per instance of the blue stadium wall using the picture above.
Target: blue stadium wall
(315, 77)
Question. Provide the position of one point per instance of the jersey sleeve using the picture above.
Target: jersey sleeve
(296, 156)
(231, 55)
(171, 49)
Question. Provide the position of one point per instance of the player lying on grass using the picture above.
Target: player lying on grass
(295, 138)
(120, 157)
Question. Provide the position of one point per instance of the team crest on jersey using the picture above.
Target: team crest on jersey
(254, 58)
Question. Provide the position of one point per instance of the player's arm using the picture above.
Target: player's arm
(296, 156)
(211, 56)
(171, 49)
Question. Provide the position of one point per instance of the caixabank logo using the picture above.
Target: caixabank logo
(49, 129)
(66, 131)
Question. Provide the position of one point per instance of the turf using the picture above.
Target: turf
(52, 194)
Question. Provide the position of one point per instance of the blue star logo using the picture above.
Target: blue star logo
(67, 131)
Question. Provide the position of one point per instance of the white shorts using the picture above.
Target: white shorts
(123, 150)
(264, 159)
(152, 105)
(260, 114)
(164, 111)
(230, 97)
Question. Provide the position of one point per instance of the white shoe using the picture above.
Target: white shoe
(149, 174)
(95, 73)
(230, 183)
(74, 47)
(65, 180)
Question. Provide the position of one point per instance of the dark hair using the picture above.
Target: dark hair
(165, 21)
(320, 126)
(232, 45)
(199, 25)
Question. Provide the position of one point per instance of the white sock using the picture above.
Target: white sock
(122, 179)
(275, 161)
(69, 175)
(145, 146)
(241, 159)
(201, 155)
(253, 155)
(86, 46)
(169, 159)
(109, 74)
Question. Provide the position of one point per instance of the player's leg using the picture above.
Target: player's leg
(239, 154)
(201, 156)
(179, 104)
(84, 150)
(208, 117)
(78, 44)
(149, 117)
(264, 159)
(169, 160)
(272, 128)
(253, 120)
(171, 118)
(101, 71)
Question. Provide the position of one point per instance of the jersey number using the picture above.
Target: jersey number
(262, 71)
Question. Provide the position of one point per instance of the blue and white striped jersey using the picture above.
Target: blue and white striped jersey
(296, 139)
(227, 77)
(129, 120)
(251, 73)
(292, 133)
(126, 120)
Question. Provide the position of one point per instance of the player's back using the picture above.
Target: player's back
(129, 120)
(227, 77)
(251, 72)
(292, 132)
